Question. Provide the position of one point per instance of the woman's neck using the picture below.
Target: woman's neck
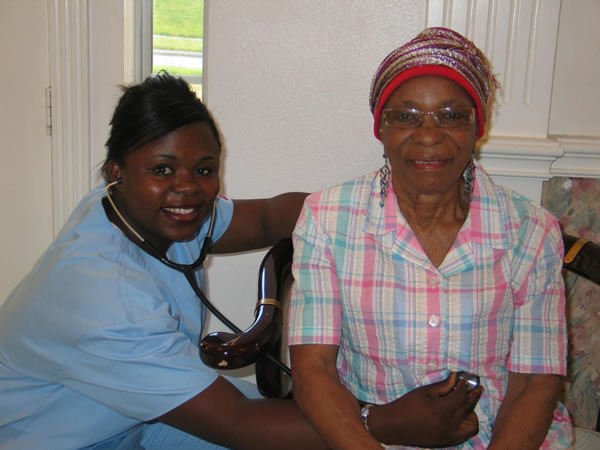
(435, 219)
(427, 210)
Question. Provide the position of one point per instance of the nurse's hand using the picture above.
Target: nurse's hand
(436, 415)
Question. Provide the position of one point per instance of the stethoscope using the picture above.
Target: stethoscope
(188, 269)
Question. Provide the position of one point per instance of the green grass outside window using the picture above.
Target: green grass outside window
(178, 25)
(183, 18)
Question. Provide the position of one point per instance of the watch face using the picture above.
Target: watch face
(364, 415)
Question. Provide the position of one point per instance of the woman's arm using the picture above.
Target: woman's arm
(526, 412)
(223, 415)
(436, 415)
(539, 329)
(260, 223)
(328, 405)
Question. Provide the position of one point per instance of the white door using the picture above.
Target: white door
(25, 183)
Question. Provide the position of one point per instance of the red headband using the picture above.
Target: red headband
(440, 71)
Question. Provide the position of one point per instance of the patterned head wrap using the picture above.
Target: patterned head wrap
(442, 52)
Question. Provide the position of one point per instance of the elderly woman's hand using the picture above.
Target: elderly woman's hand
(436, 415)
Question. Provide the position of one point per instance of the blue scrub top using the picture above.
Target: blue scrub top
(100, 336)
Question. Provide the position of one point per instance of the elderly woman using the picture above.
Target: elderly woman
(426, 268)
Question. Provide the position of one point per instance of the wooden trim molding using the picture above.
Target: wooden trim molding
(138, 42)
(530, 158)
(581, 157)
(69, 81)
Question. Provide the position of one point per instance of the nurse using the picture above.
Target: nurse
(99, 343)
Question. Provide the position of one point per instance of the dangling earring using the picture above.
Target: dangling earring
(384, 181)
(469, 180)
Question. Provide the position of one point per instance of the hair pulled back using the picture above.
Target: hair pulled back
(149, 111)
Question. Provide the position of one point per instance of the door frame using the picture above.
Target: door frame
(94, 47)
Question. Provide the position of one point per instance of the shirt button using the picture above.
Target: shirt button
(434, 320)
(433, 282)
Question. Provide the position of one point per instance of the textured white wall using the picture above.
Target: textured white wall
(288, 83)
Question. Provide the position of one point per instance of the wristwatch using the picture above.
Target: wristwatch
(364, 415)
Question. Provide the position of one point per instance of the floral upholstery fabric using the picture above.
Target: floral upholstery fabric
(576, 203)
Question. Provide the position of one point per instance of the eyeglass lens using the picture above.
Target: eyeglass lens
(413, 118)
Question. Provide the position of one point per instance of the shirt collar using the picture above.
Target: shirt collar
(485, 223)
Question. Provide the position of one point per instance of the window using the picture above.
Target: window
(177, 41)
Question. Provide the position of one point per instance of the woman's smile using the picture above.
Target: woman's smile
(429, 164)
(182, 214)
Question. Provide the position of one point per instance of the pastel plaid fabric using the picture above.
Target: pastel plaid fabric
(495, 304)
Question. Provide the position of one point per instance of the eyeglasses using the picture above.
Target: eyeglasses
(443, 118)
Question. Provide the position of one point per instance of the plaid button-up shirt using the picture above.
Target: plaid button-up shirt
(495, 304)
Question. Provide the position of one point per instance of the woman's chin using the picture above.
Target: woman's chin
(186, 237)
(182, 234)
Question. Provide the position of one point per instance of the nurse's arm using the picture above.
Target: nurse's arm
(223, 415)
(260, 223)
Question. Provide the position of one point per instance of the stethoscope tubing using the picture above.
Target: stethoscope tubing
(188, 269)
(204, 299)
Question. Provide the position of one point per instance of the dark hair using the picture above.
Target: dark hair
(149, 111)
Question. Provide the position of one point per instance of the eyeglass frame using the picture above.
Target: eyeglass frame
(422, 114)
